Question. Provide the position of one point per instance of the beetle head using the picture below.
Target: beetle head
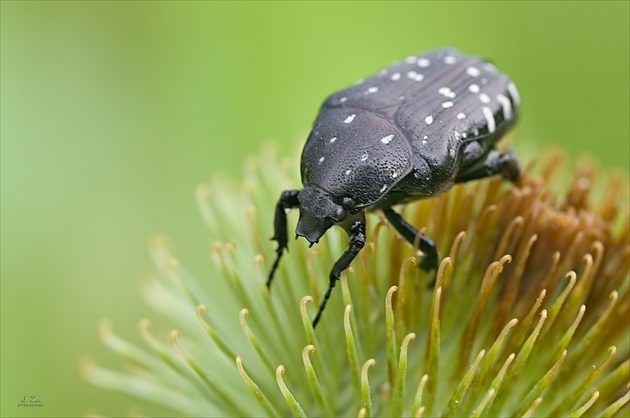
(318, 212)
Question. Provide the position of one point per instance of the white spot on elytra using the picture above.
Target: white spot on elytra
(426, 137)
(423, 62)
(383, 188)
(349, 118)
(321, 160)
(395, 76)
(484, 98)
(415, 76)
(473, 88)
(506, 105)
(487, 113)
(514, 93)
(461, 115)
(343, 99)
(424, 141)
(394, 175)
(428, 120)
(348, 172)
(333, 139)
(446, 105)
(364, 157)
(473, 71)
(464, 135)
(372, 89)
(451, 152)
(386, 140)
(449, 59)
(446, 92)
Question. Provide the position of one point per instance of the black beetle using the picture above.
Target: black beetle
(410, 131)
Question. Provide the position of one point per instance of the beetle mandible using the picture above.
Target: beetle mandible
(409, 131)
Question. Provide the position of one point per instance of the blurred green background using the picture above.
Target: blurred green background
(112, 113)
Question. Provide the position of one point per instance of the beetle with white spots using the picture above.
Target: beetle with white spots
(434, 122)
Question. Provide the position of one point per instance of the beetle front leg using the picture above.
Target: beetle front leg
(410, 233)
(356, 232)
(288, 200)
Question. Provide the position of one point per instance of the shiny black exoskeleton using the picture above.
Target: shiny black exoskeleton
(410, 131)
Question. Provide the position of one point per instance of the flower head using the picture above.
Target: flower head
(529, 312)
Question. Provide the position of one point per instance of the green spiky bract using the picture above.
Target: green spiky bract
(527, 315)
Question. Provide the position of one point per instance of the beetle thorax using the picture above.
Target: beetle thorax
(355, 154)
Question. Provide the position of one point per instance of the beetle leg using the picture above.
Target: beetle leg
(410, 233)
(356, 233)
(505, 164)
(471, 153)
(288, 200)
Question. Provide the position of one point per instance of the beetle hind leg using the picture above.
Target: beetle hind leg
(411, 234)
(496, 163)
